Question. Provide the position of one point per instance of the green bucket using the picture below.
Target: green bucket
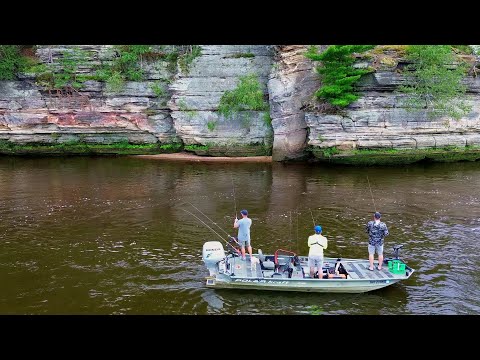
(396, 267)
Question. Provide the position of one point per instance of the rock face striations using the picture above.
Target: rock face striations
(196, 97)
(91, 114)
(292, 82)
(175, 106)
(378, 120)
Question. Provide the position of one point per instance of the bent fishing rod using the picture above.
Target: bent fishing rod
(210, 228)
(371, 194)
(230, 236)
(208, 218)
(314, 226)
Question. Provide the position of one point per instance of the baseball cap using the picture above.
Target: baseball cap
(377, 215)
(318, 229)
(244, 212)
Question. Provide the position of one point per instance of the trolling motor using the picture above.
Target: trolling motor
(396, 250)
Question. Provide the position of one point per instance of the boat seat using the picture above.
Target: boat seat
(268, 273)
(268, 265)
(261, 257)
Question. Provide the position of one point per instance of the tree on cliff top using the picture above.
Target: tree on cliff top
(434, 81)
(337, 72)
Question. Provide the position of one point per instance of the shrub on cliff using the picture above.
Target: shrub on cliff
(337, 72)
(434, 81)
(248, 95)
(13, 61)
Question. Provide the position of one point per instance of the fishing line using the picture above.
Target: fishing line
(205, 224)
(371, 194)
(234, 200)
(208, 218)
(312, 217)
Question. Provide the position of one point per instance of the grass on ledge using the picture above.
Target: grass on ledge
(77, 147)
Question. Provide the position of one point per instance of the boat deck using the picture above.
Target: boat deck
(357, 269)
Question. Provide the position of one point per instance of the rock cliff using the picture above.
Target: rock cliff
(176, 107)
(197, 93)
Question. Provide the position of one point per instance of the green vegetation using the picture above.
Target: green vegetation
(243, 55)
(158, 89)
(316, 310)
(12, 61)
(196, 147)
(182, 105)
(65, 73)
(186, 58)
(329, 152)
(80, 147)
(211, 125)
(399, 156)
(126, 66)
(248, 95)
(337, 72)
(465, 49)
(173, 147)
(191, 113)
(432, 83)
(129, 64)
(267, 120)
(51, 76)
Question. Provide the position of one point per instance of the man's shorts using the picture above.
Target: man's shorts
(372, 248)
(244, 243)
(315, 261)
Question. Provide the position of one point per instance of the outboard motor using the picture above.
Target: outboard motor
(213, 253)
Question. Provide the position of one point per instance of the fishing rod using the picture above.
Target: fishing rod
(234, 200)
(312, 217)
(203, 222)
(228, 244)
(290, 228)
(371, 194)
(229, 236)
(298, 248)
(208, 218)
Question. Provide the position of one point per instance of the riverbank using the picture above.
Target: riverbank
(178, 152)
(196, 158)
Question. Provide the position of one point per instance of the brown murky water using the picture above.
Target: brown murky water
(109, 235)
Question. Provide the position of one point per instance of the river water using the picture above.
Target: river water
(100, 235)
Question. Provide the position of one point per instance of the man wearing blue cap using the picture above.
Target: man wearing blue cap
(316, 243)
(243, 226)
(377, 231)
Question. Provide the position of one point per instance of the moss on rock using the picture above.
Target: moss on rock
(397, 157)
(83, 148)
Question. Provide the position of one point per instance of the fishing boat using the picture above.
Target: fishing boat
(286, 271)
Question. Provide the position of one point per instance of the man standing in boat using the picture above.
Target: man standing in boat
(243, 226)
(377, 230)
(316, 243)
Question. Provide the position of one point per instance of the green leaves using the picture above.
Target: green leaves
(434, 81)
(337, 72)
(9, 61)
(248, 95)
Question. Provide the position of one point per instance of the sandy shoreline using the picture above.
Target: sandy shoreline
(197, 158)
